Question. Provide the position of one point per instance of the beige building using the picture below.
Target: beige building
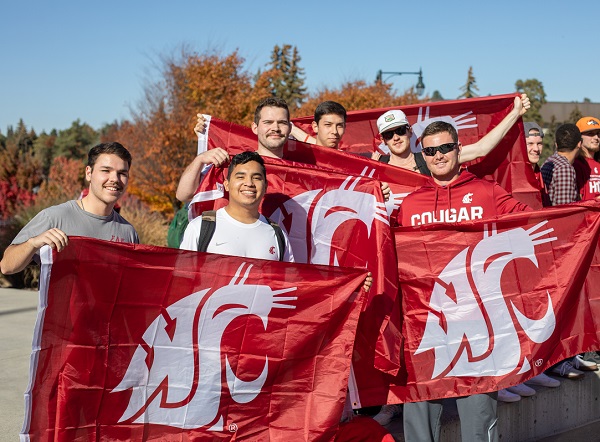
(562, 110)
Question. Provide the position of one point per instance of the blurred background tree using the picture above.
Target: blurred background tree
(470, 86)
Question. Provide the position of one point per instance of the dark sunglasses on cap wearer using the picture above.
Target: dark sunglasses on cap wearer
(400, 131)
(442, 148)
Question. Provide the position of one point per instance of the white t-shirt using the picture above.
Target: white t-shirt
(231, 237)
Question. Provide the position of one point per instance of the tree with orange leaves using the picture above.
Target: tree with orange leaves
(358, 95)
(160, 137)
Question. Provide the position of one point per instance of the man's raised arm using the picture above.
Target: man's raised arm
(491, 139)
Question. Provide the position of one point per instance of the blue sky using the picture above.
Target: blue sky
(65, 60)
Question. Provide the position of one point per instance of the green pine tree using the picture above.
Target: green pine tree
(287, 82)
(470, 87)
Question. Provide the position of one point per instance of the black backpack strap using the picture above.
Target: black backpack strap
(280, 238)
(207, 230)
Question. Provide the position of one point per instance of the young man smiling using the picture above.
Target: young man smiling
(93, 216)
(272, 127)
(240, 229)
(396, 133)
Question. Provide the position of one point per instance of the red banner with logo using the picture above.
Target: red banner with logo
(333, 219)
(145, 343)
(487, 305)
(507, 163)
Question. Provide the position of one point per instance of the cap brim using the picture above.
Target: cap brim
(392, 125)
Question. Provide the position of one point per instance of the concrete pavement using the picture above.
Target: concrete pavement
(17, 318)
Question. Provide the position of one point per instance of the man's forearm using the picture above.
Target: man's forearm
(189, 181)
(490, 140)
(16, 257)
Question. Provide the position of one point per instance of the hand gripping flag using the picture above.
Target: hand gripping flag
(145, 343)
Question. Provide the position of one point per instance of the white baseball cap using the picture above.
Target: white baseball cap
(390, 120)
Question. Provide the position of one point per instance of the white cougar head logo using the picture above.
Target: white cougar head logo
(175, 373)
(325, 212)
(492, 350)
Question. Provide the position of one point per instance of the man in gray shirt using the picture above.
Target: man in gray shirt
(93, 216)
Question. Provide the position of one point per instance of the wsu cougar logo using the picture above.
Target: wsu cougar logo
(323, 212)
(489, 350)
(175, 373)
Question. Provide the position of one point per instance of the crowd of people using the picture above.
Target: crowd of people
(571, 174)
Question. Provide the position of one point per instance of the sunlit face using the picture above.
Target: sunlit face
(398, 145)
(329, 130)
(590, 141)
(246, 185)
(108, 178)
(443, 167)
(535, 144)
(272, 129)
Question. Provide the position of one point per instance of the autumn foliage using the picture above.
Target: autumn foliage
(160, 135)
(359, 95)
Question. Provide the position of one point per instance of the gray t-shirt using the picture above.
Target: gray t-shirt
(74, 221)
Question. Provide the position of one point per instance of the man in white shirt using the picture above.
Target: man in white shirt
(240, 229)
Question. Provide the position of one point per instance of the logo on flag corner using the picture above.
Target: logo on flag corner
(175, 374)
(467, 304)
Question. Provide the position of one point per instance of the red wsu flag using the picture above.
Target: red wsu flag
(401, 181)
(491, 304)
(473, 118)
(507, 163)
(145, 343)
(332, 219)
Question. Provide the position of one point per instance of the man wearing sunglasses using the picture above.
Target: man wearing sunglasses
(587, 169)
(396, 134)
(452, 195)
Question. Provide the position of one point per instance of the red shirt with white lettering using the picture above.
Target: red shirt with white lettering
(466, 199)
(587, 172)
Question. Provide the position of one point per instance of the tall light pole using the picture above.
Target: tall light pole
(420, 87)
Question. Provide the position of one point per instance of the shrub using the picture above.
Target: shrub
(151, 226)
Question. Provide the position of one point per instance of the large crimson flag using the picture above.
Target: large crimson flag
(236, 139)
(493, 303)
(145, 343)
(333, 219)
(473, 118)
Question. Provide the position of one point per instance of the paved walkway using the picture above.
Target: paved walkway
(17, 318)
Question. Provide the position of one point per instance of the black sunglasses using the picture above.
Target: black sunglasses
(443, 149)
(400, 131)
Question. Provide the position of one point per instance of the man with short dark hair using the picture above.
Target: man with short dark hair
(92, 216)
(240, 229)
(272, 127)
(558, 171)
(329, 125)
(452, 195)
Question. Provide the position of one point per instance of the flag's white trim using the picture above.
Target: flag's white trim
(46, 267)
(353, 389)
(203, 138)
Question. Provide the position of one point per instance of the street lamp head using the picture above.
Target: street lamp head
(420, 85)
